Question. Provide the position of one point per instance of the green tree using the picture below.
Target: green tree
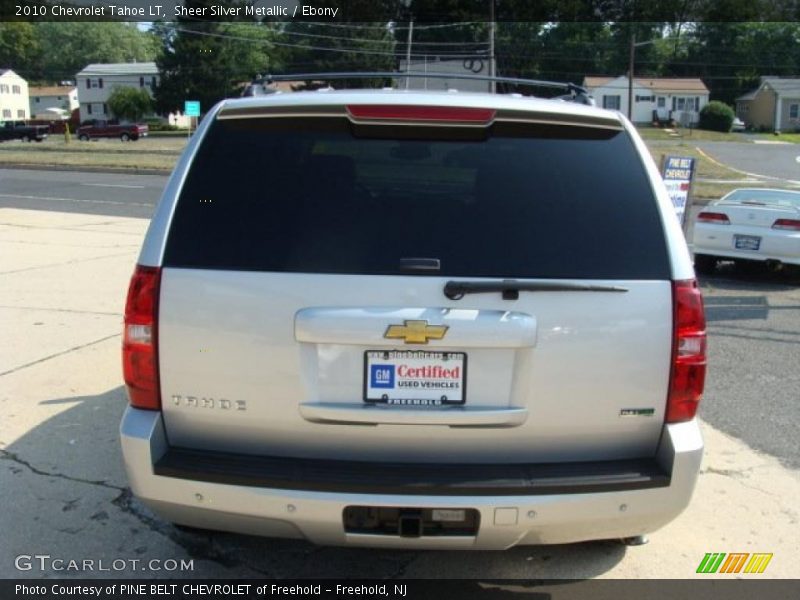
(129, 103)
(19, 45)
(64, 48)
(209, 60)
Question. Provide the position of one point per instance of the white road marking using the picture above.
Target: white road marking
(56, 199)
(115, 185)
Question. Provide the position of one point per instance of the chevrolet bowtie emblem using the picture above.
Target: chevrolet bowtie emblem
(415, 332)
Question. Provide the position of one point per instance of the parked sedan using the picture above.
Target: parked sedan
(749, 225)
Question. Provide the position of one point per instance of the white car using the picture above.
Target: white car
(749, 224)
(415, 319)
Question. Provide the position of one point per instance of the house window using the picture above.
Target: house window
(3, 88)
(662, 102)
(89, 108)
(16, 89)
(793, 108)
(105, 108)
(645, 98)
(141, 81)
(88, 84)
(611, 102)
(20, 114)
(100, 83)
(153, 81)
(6, 113)
(36, 99)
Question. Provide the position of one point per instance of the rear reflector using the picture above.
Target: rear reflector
(713, 217)
(688, 373)
(383, 112)
(787, 224)
(140, 339)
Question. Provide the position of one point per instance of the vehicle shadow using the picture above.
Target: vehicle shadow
(65, 481)
(750, 277)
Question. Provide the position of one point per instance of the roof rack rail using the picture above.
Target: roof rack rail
(575, 93)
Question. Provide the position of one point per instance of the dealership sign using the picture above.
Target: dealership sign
(678, 173)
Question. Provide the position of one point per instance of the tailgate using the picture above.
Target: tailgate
(253, 363)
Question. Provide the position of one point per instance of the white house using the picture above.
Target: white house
(63, 97)
(96, 82)
(678, 99)
(13, 96)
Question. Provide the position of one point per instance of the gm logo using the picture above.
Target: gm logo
(382, 376)
(715, 562)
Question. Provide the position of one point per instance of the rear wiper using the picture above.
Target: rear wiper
(510, 288)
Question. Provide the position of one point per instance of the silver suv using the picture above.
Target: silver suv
(414, 319)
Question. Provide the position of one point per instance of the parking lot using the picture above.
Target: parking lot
(68, 242)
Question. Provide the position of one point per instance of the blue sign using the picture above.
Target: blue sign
(382, 376)
(191, 108)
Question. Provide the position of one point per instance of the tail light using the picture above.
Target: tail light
(140, 339)
(713, 217)
(787, 224)
(688, 374)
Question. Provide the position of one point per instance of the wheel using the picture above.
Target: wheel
(125, 137)
(26, 138)
(705, 264)
(134, 138)
(39, 140)
(83, 137)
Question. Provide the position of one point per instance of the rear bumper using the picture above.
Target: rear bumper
(718, 240)
(523, 504)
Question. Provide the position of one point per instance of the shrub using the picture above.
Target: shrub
(716, 116)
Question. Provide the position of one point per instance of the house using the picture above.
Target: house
(96, 82)
(13, 96)
(773, 105)
(64, 97)
(676, 99)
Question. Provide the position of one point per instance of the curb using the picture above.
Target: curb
(86, 169)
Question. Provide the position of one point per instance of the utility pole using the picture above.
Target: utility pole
(630, 74)
(408, 49)
(492, 68)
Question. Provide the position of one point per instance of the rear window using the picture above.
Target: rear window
(763, 197)
(324, 196)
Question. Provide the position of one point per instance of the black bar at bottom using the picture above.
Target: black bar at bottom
(407, 478)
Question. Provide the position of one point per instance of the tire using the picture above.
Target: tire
(125, 137)
(83, 137)
(134, 138)
(704, 263)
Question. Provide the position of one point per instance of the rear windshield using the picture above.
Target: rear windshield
(324, 196)
(763, 197)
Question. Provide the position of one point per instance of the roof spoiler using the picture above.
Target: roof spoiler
(574, 93)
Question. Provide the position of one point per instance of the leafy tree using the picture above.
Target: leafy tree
(19, 45)
(130, 103)
(209, 60)
(64, 48)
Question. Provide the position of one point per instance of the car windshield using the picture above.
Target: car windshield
(763, 197)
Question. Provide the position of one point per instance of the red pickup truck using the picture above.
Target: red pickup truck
(99, 129)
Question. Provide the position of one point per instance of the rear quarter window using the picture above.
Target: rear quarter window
(320, 195)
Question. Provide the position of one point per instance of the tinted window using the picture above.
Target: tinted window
(317, 195)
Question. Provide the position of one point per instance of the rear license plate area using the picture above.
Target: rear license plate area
(746, 242)
(415, 377)
(411, 522)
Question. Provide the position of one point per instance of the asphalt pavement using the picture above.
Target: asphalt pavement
(107, 194)
(781, 161)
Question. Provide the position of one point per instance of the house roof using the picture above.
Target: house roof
(751, 95)
(782, 85)
(132, 68)
(51, 90)
(658, 84)
(4, 72)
